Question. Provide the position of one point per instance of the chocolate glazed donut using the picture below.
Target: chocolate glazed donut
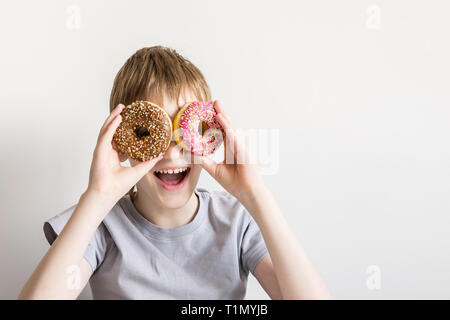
(145, 131)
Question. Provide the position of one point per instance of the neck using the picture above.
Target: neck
(166, 217)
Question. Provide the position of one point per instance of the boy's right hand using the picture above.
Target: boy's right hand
(107, 178)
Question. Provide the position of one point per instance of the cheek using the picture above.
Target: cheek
(195, 172)
(149, 180)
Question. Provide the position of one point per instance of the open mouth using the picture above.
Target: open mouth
(172, 178)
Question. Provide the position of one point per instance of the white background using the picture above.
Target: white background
(359, 91)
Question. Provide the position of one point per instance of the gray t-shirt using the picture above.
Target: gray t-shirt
(208, 258)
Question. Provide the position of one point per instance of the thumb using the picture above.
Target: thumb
(143, 167)
(209, 165)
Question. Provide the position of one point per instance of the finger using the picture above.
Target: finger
(229, 132)
(122, 157)
(228, 146)
(233, 143)
(118, 109)
(209, 165)
(142, 168)
(240, 150)
(229, 141)
(223, 117)
(218, 106)
(227, 156)
(223, 121)
(219, 110)
(108, 134)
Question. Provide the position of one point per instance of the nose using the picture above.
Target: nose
(174, 152)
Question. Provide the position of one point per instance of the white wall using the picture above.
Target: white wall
(358, 91)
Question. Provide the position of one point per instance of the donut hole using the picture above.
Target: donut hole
(141, 132)
(202, 127)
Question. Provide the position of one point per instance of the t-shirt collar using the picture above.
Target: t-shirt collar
(155, 232)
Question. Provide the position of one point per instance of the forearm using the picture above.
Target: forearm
(49, 279)
(297, 276)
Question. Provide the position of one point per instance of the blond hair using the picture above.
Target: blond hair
(153, 72)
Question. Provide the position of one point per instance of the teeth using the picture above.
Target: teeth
(170, 171)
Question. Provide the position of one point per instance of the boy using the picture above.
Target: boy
(181, 242)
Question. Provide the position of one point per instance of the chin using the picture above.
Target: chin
(173, 201)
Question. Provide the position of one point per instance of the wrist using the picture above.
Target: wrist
(253, 196)
(261, 205)
(101, 203)
(102, 197)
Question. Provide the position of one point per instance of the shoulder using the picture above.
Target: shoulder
(63, 216)
(223, 206)
(54, 225)
(219, 197)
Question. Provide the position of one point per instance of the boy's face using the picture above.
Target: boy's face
(165, 189)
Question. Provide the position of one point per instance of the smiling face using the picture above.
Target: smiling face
(171, 182)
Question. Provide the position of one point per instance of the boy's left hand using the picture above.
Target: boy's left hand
(236, 174)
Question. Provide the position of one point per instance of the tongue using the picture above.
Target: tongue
(174, 178)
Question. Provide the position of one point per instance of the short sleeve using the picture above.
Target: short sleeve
(95, 251)
(253, 246)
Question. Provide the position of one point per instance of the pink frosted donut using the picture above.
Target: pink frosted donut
(186, 126)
